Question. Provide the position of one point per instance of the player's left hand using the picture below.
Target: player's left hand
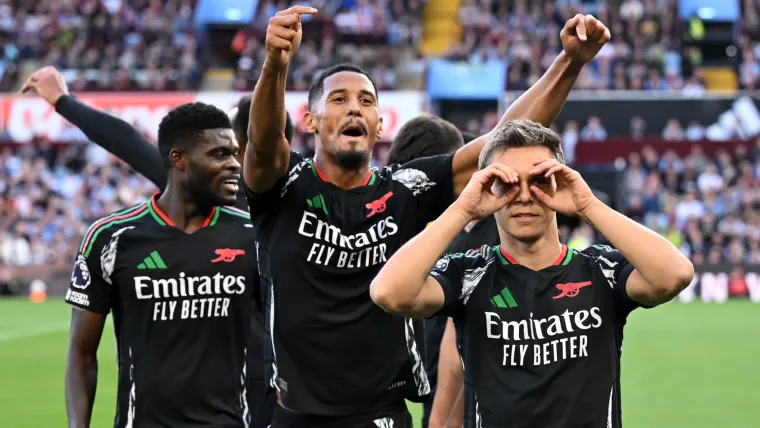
(583, 37)
(572, 196)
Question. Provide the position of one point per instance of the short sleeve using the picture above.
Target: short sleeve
(89, 289)
(259, 201)
(449, 275)
(616, 269)
(431, 182)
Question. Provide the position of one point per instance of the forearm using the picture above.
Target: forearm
(398, 286)
(81, 383)
(543, 102)
(448, 403)
(116, 136)
(658, 261)
(267, 117)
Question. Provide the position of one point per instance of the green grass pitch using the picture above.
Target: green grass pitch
(684, 365)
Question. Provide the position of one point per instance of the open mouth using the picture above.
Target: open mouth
(354, 131)
(231, 184)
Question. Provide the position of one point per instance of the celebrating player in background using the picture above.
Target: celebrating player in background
(428, 136)
(542, 325)
(326, 226)
(175, 273)
(122, 139)
(130, 145)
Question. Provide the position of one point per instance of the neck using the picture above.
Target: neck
(337, 175)
(185, 212)
(534, 255)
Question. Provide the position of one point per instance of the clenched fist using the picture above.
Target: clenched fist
(583, 37)
(284, 35)
(48, 83)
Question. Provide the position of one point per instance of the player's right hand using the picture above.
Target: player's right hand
(488, 191)
(284, 35)
(48, 82)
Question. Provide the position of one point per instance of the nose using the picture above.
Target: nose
(233, 164)
(524, 196)
(354, 107)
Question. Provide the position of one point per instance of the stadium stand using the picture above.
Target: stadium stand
(118, 45)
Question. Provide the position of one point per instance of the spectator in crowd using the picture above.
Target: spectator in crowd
(594, 131)
(570, 139)
(673, 131)
(114, 45)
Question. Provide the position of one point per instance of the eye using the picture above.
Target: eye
(367, 101)
(339, 99)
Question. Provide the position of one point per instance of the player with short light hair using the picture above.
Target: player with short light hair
(541, 325)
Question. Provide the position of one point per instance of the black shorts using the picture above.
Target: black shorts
(392, 417)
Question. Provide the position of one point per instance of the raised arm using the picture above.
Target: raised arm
(582, 38)
(267, 154)
(82, 366)
(404, 285)
(660, 270)
(113, 134)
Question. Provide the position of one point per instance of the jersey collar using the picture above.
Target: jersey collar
(164, 220)
(368, 181)
(563, 259)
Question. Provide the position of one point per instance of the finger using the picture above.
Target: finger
(275, 44)
(287, 21)
(511, 175)
(283, 33)
(542, 197)
(606, 37)
(591, 25)
(580, 28)
(28, 85)
(553, 170)
(304, 10)
(510, 195)
(543, 165)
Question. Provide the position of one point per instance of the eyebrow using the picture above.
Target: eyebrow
(363, 92)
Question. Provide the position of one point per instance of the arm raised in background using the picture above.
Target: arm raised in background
(113, 134)
(82, 366)
(268, 152)
(448, 403)
(582, 38)
(404, 285)
(660, 270)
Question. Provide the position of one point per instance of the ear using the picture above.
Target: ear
(178, 159)
(310, 123)
(379, 131)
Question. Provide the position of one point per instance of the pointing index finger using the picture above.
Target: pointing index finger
(301, 10)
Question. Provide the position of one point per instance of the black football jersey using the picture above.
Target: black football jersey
(541, 348)
(335, 351)
(181, 307)
(475, 235)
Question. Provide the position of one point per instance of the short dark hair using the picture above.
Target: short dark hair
(318, 86)
(242, 119)
(521, 133)
(182, 124)
(424, 136)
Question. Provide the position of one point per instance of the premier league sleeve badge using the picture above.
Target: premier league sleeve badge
(80, 278)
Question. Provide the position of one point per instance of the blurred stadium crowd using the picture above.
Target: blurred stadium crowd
(48, 194)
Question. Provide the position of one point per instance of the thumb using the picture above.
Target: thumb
(28, 85)
(580, 28)
(542, 197)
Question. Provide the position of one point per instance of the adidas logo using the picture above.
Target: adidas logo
(318, 202)
(153, 261)
(504, 299)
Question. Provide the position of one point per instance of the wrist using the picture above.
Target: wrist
(591, 210)
(271, 68)
(459, 214)
(571, 67)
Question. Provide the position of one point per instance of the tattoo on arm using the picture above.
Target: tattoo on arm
(588, 220)
(427, 272)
